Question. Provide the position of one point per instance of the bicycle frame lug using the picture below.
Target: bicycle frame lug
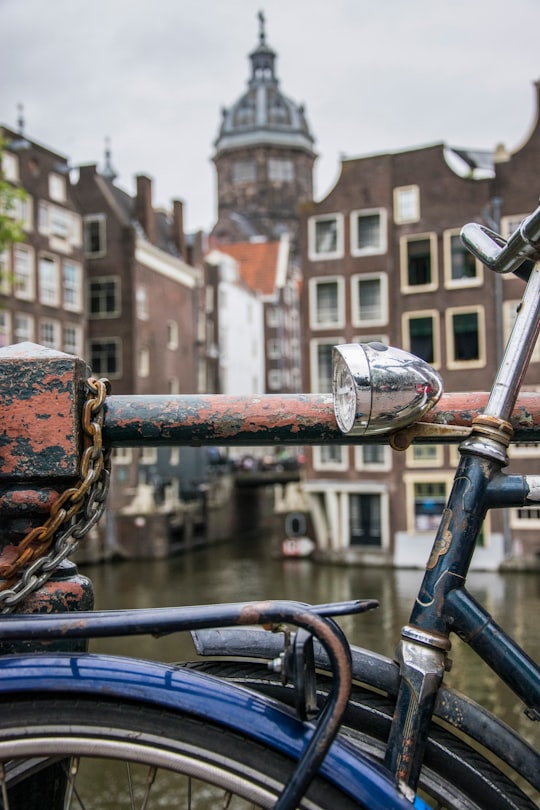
(490, 439)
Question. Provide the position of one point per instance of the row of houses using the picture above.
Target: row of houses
(256, 305)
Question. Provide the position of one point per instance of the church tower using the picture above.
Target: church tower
(264, 157)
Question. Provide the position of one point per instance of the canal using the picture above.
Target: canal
(246, 569)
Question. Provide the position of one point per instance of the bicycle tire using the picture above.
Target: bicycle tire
(455, 776)
(38, 735)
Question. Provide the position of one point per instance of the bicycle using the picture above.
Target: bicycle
(330, 726)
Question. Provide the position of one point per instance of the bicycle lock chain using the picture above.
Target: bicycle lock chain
(71, 516)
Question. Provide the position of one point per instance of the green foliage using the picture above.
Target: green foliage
(10, 229)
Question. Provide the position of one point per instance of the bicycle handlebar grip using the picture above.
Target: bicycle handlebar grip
(499, 255)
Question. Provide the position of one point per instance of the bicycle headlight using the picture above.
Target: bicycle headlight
(378, 388)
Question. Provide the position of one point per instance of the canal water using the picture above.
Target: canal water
(247, 570)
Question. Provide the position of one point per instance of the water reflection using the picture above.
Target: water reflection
(240, 571)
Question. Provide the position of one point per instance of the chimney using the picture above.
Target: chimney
(179, 237)
(144, 213)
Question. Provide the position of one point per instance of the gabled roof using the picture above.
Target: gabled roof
(257, 263)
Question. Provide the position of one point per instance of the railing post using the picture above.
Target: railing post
(42, 393)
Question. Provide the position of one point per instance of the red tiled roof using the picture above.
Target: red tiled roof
(257, 262)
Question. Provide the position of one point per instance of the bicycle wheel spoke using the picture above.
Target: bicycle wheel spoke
(149, 782)
(5, 801)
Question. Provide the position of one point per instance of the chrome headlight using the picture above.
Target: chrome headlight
(378, 388)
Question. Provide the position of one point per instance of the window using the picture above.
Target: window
(461, 268)
(321, 364)
(148, 455)
(425, 455)
(526, 518)
(172, 334)
(105, 359)
(23, 272)
(49, 286)
(72, 286)
(10, 167)
(5, 272)
(273, 349)
(368, 232)
(142, 303)
(123, 455)
(330, 457)
(244, 171)
(465, 337)
(24, 328)
(57, 187)
(429, 498)
(421, 335)
(365, 519)
(326, 302)
(272, 316)
(275, 379)
(374, 457)
(173, 385)
(95, 245)
(143, 361)
(406, 204)
(511, 223)
(5, 328)
(369, 299)
(325, 237)
(418, 263)
(104, 297)
(280, 170)
(72, 339)
(49, 334)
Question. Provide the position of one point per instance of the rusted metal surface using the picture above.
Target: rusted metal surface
(291, 419)
(40, 392)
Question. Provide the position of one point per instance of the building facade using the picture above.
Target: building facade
(42, 276)
(382, 260)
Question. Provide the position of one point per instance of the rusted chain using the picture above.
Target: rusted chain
(71, 516)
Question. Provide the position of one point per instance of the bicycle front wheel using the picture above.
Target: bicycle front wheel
(64, 753)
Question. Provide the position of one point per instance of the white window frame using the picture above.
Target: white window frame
(26, 291)
(5, 328)
(24, 328)
(356, 280)
(414, 458)
(73, 347)
(509, 224)
(406, 240)
(141, 302)
(5, 271)
(452, 283)
(57, 187)
(280, 170)
(400, 193)
(339, 464)
(314, 321)
(171, 331)
(122, 455)
(243, 171)
(360, 462)
(148, 455)
(10, 166)
(49, 286)
(72, 287)
(451, 362)
(435, 316)
(275, 379)
(143, 361)
(314, 345)
(55, 341)
(325, 255)
(372, 250)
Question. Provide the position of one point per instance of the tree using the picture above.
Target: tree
(10, 228)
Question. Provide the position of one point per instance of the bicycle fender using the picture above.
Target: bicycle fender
(377, 670)
(176, 688)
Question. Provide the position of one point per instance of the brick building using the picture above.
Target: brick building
(42, 277)
(382, 259)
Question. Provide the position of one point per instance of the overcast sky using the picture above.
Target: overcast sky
(153, 75)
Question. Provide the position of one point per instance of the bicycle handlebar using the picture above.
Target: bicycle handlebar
(505, 256)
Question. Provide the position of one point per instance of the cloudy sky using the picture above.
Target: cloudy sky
(153, 75)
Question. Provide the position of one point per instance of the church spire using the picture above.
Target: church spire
(108, 170)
